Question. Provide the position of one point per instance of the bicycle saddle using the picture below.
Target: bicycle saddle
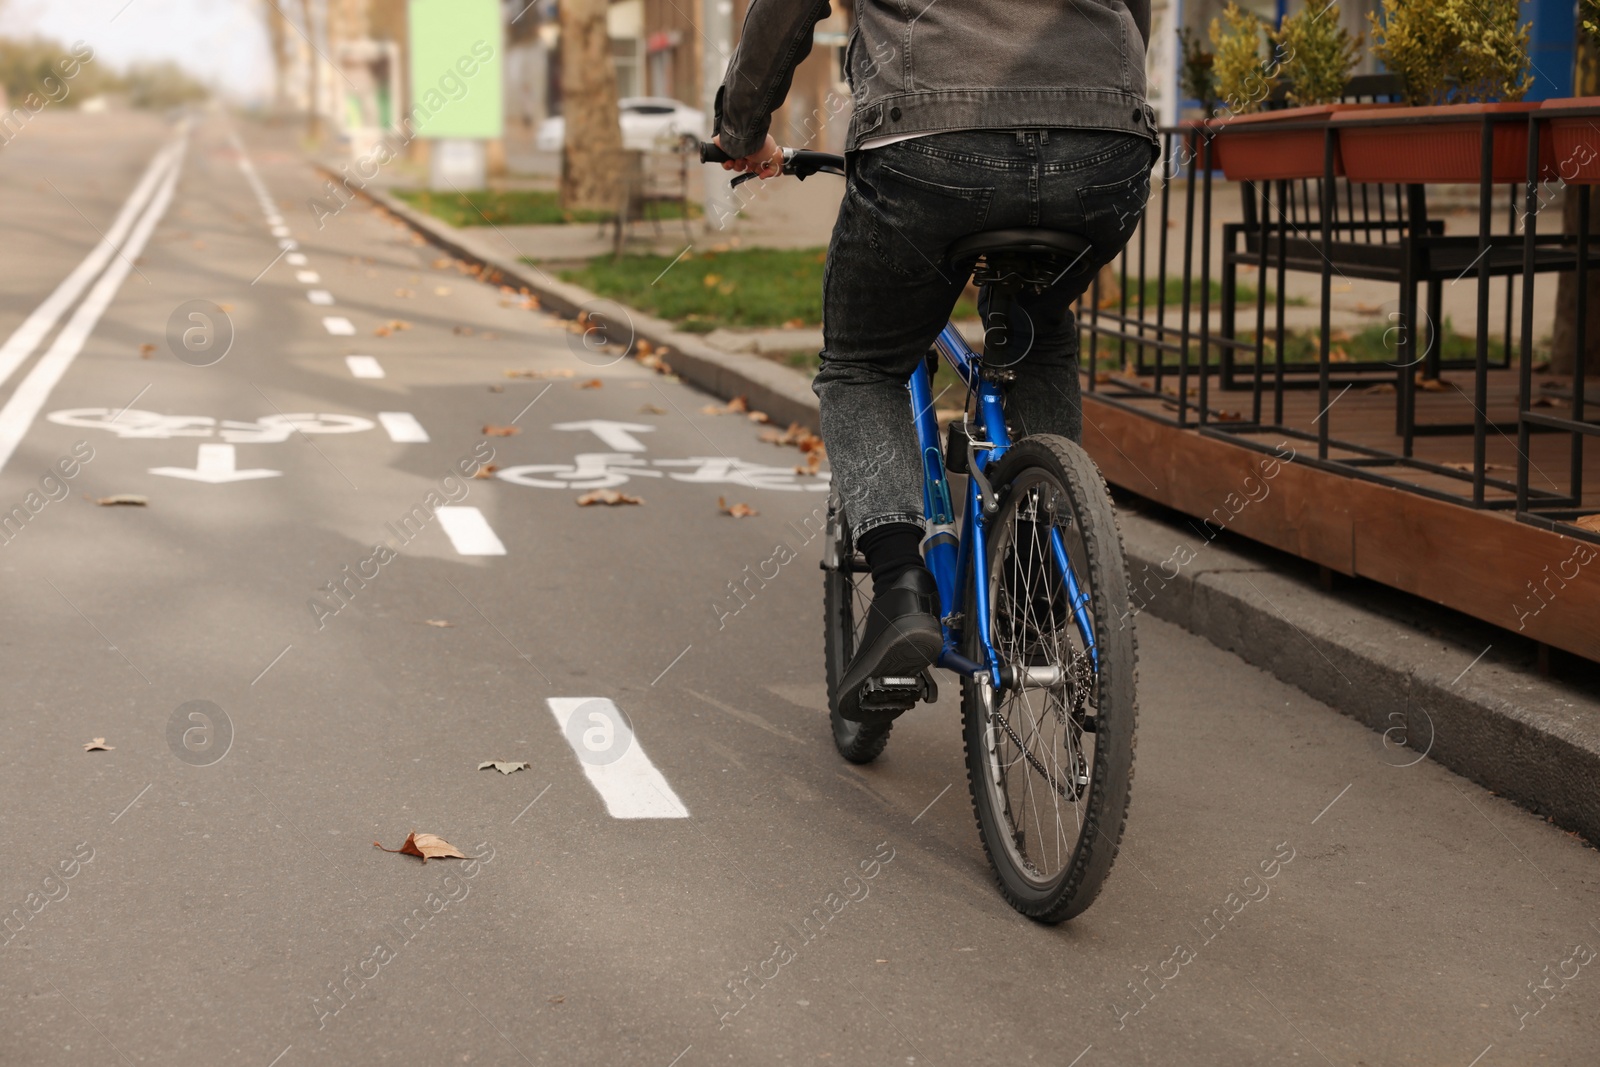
(1023, 257)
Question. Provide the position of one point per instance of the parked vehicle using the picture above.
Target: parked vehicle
(647, 122)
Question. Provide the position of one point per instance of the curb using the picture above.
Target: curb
(782, 393)
(1530, 740)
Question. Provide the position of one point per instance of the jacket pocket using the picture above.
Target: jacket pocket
(915, 217)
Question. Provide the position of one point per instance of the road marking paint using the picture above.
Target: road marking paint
(30, 396)
(274, 220)
(215, 466)
(629, 783)
(469, 531)
(319, 296)
(617, 436)
(403, 427)
(307, 277)
(339, 326)
(295, 259)
(20, 345)
(362, 366)
(289, 244)
(282, 231)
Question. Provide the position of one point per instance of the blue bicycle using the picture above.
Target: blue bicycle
(1033, 595)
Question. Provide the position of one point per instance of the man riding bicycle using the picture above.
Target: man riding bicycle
(970, 115)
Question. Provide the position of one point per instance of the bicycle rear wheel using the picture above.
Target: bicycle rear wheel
(846, 595)
(1050, 753)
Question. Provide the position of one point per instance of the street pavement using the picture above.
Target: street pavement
(315, 631)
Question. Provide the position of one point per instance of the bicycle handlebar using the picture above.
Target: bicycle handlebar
(798, 162)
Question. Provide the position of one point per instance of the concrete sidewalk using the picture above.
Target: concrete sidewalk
(1432, 684)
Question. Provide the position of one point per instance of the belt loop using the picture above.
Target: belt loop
(1044, 137)
(1022, 137)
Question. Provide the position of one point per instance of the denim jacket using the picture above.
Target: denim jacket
(950, 65)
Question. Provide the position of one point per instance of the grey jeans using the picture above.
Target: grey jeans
(887, 290)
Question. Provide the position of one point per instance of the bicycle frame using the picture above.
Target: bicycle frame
(949, 557)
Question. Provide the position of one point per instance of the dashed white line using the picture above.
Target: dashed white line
(295, 259)
(307, 277)
(362, 366)
(319, 296)
(339, 326)
(289, 244)
(470, 532)
(281, 231)
(403, 427)
(629, 783)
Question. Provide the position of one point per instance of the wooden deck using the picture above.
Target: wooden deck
(1476, 560)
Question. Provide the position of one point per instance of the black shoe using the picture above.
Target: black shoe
(902, 638)
(1035, 605)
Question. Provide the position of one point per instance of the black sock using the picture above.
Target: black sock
(891, 550)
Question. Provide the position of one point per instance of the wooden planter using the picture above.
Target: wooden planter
(1573, 141)
(1425, 149)
(1249, 149)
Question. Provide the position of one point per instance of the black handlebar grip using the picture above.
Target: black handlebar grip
(710, 153)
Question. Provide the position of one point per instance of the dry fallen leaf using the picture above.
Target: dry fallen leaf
(652, 409)
(441, 263)
(146, 351)
(497, 388)
(607, 496)
(504, 768)
(737, 406)
(129, 499)
(426, 846)
(486, 471)
(492, 430)
(592, 383)
(98, 745)
(738, 511)
(439, 622)
(1430, 385)
(441, 290)
(559, 998)
(1587, 522)
(1381, 389)
(759, 416)
(462, 330)
(1228, 416)
(643, 348)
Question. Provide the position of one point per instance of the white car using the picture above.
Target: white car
(648, 122)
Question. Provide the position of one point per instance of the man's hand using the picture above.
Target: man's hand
(766, 162)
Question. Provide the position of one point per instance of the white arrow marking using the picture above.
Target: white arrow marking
(214, 466)
(618, 436)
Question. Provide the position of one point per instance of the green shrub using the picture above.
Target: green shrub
(1453, 50)
(1245, 73)
(1199, 76)
(1318, 55)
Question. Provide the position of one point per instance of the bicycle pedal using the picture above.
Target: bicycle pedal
(898, 692)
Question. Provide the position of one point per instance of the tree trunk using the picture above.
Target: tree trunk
(313, 76)
(591, 157)
(1564, 337)
(278, 34)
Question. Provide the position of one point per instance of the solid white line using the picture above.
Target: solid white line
(319, 296)
(364, 366)
(34, 391)
(339, 326)
(307, 277)
(20, 345)
(470, 532)
(630, 785)
(403, 427)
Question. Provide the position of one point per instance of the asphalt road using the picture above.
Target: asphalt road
(207, 890)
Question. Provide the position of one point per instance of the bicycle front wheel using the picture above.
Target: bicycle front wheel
(1050, 752)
